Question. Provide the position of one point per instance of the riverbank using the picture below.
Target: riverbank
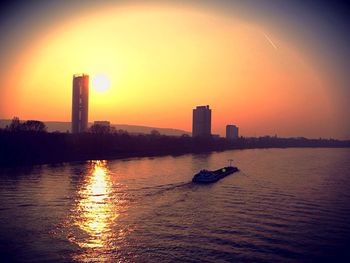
(27, 148)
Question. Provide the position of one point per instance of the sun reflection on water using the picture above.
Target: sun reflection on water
(95, 209)
(94, 217)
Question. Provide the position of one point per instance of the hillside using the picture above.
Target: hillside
(134, 129)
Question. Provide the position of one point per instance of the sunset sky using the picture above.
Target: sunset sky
(270, 67)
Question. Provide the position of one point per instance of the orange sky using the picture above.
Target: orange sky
(161, 62)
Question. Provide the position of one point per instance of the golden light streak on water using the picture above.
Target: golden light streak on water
(96, 210)
(95, 215)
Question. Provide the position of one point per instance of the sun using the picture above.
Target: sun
(100, 82)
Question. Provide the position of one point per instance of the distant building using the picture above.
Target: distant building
(201, 125)
(102, 123)
(80, 103)
(231, 132)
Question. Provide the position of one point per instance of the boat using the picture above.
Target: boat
(206, 177)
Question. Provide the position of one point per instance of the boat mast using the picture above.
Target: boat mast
(230, 161)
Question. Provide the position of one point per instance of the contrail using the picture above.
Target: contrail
(269, 39)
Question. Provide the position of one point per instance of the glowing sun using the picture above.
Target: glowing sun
(100, 83)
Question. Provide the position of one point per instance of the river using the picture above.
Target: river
(285, 205)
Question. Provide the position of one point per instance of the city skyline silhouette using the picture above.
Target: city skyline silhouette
(150, 63)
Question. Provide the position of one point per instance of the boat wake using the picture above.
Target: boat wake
(161, 189)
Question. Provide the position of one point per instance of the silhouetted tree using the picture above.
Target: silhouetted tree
(30, 125)
(33, 125)
(120, 131)
(15, 125)
(155, 133)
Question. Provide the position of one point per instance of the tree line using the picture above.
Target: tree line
(30, 143)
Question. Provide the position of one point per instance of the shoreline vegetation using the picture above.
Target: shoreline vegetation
(34, 145)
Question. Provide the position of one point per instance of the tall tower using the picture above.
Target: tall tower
(80, 103)
(201, 125)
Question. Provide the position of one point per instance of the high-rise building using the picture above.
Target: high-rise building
(102, 123)
(231, 132)
(80, 103)
(201, 124)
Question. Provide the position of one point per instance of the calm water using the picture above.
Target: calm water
(286, 205)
